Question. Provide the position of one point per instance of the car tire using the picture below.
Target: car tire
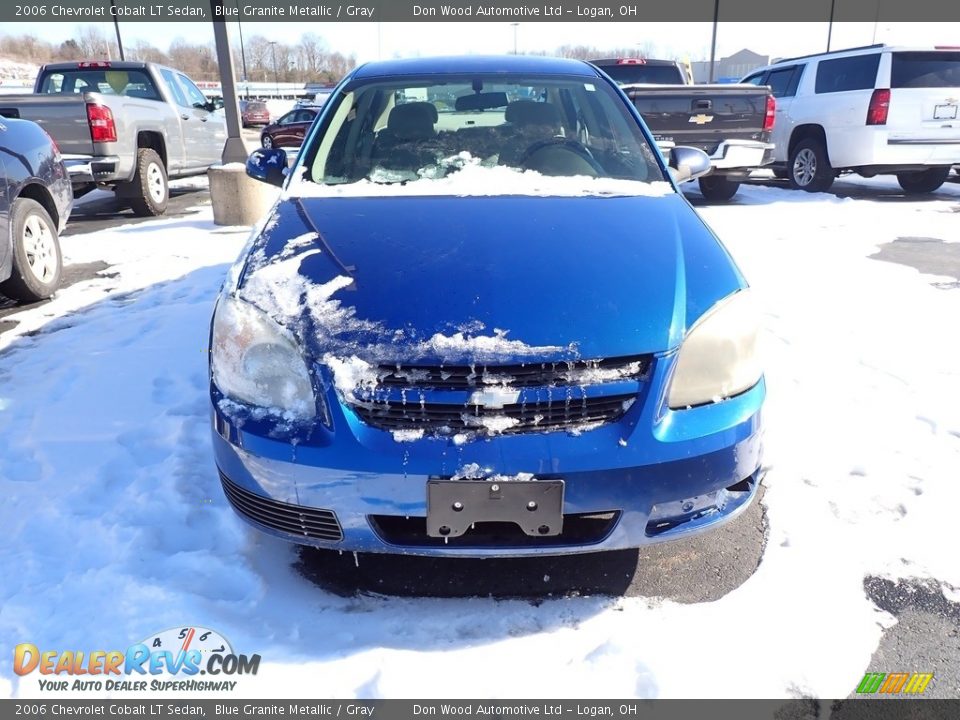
(37, 260)
(151, 191)
(923, 181)
(266, 141)
(718, 188)
(809, 168)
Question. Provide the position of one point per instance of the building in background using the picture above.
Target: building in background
(729, 69)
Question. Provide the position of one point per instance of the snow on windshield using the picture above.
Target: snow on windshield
(464, 175)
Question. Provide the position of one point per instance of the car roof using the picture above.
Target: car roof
(862, 50)
(465, 64)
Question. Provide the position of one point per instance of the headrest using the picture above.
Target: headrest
(530, 112)
(413, 120)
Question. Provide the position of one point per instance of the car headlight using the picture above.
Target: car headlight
(257, 362)
(719, 357)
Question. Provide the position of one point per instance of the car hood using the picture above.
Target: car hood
(487, 278)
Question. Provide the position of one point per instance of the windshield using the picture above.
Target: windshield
(399, 130)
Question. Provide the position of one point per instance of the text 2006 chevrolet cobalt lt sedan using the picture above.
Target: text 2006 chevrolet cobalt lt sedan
(482, 320)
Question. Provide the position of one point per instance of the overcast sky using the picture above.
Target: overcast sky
(372, 40)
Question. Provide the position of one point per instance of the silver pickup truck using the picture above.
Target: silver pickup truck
(124, 125)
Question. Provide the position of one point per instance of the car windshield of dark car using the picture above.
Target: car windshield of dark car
(397, 131)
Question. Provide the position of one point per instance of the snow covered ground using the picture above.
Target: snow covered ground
(115, 526)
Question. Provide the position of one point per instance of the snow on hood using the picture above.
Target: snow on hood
(302, 306)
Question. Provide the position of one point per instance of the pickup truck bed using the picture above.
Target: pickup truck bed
(128, 126)
(731, 123)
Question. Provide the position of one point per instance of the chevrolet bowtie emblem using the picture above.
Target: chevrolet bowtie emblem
(701, 119)
(494, 398)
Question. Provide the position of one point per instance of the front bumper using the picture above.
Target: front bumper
(654, 475)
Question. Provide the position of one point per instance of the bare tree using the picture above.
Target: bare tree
(93, 43)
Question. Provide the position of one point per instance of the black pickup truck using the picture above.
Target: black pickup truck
(731, 123)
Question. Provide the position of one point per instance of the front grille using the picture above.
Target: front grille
(520, 417)
(306, 522)
(463, 377)
(578, 529)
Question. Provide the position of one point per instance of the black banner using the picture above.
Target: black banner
(467, 11)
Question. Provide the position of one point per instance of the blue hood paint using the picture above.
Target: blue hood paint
(610, 276)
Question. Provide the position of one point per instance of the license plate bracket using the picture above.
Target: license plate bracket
(536, 506)
(945, 112)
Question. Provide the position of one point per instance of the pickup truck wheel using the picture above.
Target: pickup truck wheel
(151, 191)
(809, 167)
(924, 181)
(718, 188)
(37, 262)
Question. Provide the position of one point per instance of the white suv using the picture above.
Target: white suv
(872, 110)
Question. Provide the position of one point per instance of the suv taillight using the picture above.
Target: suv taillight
(771, 114)
(102, 127)
(879, 106)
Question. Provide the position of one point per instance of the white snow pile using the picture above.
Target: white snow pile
(471, 177)
(115, 525)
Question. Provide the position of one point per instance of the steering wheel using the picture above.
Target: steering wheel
(572, 146)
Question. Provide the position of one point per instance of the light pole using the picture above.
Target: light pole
(830, 26)
(514, 26)
(276, 76)
(116, 27)
(713, 42)
(243, 55)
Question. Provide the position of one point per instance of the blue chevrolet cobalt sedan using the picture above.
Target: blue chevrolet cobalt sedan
(482, 320)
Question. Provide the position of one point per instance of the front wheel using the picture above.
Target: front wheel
(266, 141)
(718, 188)
(150, 191)
(37, 261)
(809, 167)
(923, 181)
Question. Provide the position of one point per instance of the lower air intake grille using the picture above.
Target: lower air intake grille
(578, 529)
(294, 519)
(527, 417)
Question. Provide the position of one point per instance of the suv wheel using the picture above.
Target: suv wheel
(37, 262)
(718, 188)
(150, 189)
(809, 168)
(923, 181)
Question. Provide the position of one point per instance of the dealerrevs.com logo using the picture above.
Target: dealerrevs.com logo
(167, 661)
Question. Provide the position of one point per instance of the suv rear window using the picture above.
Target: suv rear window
(925, 70)
(850, 73)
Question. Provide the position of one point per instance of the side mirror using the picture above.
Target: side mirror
(688, 163)
(268, 165)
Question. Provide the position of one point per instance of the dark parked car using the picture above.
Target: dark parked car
(491, 327)
(290, 129)
(35, 201)
(254, 112)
